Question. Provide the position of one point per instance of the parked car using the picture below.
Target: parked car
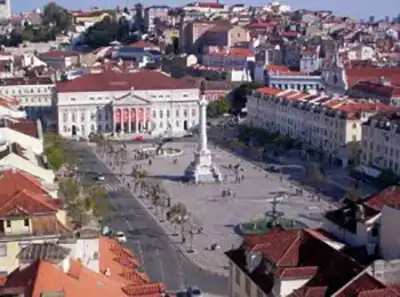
(194, 291)
(120, 237)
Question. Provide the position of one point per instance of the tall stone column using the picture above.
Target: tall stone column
(203, 123)
(122, 120)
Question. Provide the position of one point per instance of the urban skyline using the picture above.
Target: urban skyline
(355, 8)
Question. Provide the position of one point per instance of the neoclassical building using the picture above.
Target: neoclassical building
(136, 103)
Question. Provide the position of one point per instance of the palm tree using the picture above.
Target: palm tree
(178, 215)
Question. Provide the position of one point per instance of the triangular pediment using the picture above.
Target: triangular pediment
(17, 211)
(130, 99)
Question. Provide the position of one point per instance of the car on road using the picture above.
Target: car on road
(120, 237)
(100, 178)
(194, 291)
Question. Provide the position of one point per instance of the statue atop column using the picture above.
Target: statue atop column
(201, 169)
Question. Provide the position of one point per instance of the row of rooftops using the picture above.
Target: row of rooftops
(118, 274)
(312, 255)
(344, 107)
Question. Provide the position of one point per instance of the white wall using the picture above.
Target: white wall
(27, 142)
(85, 249)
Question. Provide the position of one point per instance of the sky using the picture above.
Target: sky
(353, 8)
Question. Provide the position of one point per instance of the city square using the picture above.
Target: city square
(219, 215)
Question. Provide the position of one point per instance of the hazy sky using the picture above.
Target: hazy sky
(355, 8)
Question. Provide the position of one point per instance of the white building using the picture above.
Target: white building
(328, 125)
(34, 95)
(381, 142)
(139, 103)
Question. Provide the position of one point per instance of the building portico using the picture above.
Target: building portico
(131, 119)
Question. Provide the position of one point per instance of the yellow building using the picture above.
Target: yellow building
(27, 215)
(89, 16)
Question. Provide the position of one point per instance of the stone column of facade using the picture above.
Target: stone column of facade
(136, 120)
(122, 120)
(129, 121)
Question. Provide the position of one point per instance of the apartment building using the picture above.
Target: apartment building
(381, 142)
(34, 95)
(328, 125)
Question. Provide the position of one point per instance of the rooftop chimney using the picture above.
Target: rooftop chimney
(107, 272)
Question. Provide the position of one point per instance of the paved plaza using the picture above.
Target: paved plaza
(219, 215)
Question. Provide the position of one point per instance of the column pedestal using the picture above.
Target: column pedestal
(202, 169)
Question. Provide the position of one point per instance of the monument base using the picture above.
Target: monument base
(201, 170)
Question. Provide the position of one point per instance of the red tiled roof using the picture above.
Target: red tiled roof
(268, 91)
(43, 276)
(387, 292)
(299, 249)
(390, 195)
(114, 81)
(28, 203)
(60, 54)
(13, 181)
(143, 44)
(210, 4)
(23, 126)
(372, 88)
(363, 282)
(372, 74)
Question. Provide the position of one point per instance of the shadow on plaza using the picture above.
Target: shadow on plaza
(174, 178)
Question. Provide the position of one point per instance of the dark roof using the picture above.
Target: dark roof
(23, 126)
(44, 251)
(114, 81)
(297, 253)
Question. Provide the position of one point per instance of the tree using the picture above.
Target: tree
(103, 33)
(218, 107)
(313, 174)
(178, 215)
(351, 195)
(240, 94)
(28, 33)
(69, 189)
(55, 157)
(100, 203)
(77, 213)
(57, 17)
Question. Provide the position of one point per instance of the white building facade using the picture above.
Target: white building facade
(328, 125)
(34, 96)
(143, 103)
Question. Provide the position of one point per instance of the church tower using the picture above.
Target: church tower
(5, 9)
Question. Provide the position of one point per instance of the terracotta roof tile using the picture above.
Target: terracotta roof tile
(297, 271)
(114, 81)
(268, 91)
(387, 292)
(121, 263)
(42, 276)
(362, 282)
(372, 74)
(390, 195)
(26, 202)
(299, 249)
(23, 126)
(143, 44)
(13, 181)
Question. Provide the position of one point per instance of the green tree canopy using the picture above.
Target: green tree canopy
(240, 94)
(55, 157)
(69, 189)
(98, 199)
(56, 16)
(218, 107)
(102, 33)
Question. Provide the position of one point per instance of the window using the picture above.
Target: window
(185, 113)
(168, 113)
(91, 98)
(82, 116)
(72, 99)
(65, 116)
(99, 128)
(247, 286)
(161, 114)
(354, 125)
(154, 114)
(26, 222)
(177, 113)
(177, 123)
(237, 276)
(3, 250)
(74, 117)
(375, 231)
(65, 129)
(193, 112)
(8, 224)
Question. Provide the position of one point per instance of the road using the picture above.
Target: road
(161, 259)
